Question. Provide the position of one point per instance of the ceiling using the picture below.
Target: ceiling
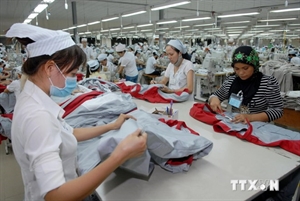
(12, 11)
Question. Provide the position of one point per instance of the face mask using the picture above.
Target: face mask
(70, 85)
(178, 62)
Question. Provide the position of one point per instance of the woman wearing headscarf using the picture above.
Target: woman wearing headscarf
(255, 96)
(179, 73)
(44, 144)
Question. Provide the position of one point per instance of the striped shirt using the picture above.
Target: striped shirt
(267, 99)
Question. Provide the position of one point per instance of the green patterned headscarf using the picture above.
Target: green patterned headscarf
(246, 55)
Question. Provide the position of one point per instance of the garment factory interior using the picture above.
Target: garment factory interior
(209, 32)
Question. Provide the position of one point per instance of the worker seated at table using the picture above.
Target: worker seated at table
(255, 96)
(151, 65)
(179, 73)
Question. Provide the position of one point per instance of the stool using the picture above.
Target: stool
(150, 77)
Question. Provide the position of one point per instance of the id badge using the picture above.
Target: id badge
(235, 100)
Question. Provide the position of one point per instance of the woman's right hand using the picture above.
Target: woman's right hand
(215, 104)
(153, 82)
(132, 146)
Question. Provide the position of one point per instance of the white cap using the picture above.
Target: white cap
(93, 64)
(120, 48)
(178, 45)
(84, 40)
(141, 44)
(47, 41)
(295, 61)
(101, 57)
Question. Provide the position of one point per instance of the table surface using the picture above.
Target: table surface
(208, 178)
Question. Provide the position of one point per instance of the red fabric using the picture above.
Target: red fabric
(197, 112)
(178, 125)
(79, 76)
(79, 100)
(2, 88)
(150, 95)
(10, 115)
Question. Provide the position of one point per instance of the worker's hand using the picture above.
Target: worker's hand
(166, 89)
(215, 104)
(241, 118)
(153, 82)
(118, 123)
(132, 146)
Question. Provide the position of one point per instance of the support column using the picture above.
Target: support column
(161, 36)
(74, 18)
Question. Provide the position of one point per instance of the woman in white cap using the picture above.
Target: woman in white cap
(128, 63)
(103, 59)
(15, 86)
(179, 73)
(44, 144)
(151, 65)
(93, 69)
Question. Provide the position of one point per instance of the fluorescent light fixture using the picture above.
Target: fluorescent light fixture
(110, 19)
(274, 20)
(48, 1)
(134, 13)
(255, 31)
(40, 7)
(169, 5)
(234, 32)
(248, 35)
(239, 22)
(71, 27)
(297, 30)
(82, 25)
(195, 19)
(182, 27)
(114, 29)
(33, 15)
(175, 31)
(240, 27)
(131, 27)
(146, 30)
(65, 29)
(294, 24)
(212, 29)
(270, 25)
(192, 30)
(291, 35)
(167, 22)
(265, 34)
(144, 25)
(204, 25)
(92, 23)
(284, 10)
(278, 30)
(88, 32)
(26, 21)
(237, 15)
(162, 29)
(106, 30)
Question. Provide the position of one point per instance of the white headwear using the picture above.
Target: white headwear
(93, 64)
(47, 41)
(178, 45)
(84, 40)
(120, 48)
(295, 61)
(101, 57)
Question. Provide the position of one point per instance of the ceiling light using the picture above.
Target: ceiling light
(48, 1)
(265, 34)
(274, 20)
(237, 15)
(71, 27)
(144, 25)
(278, 30)
(239, 22)
(134, 13)
(65, 29)
(236, 27)
(92, 23)
(66, 5)
(194, 19)
(192, 30)
(33, 15)
(255, 31)
(82, 25)
(167, 22)
(109, 19)
(26, 21)
(131, 27)
(297, 30)
(106, 30)
(182, 27)
(162, 29)
(145, 30)
(204, 25)
(88, 32)
(270, 25)
(40, 7)
(174, 31)
(284, 10)
(115, 29)
(212, 29)
(294, 24)
(173, 4)
(234, 32)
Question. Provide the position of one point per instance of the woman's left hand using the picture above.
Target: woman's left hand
(118, 123)
(241, 118)
(166, 89)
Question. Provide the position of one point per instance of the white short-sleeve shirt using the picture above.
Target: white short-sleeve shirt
(89, 52)
(128, 61)
(178, 80)
(150, 68)
(44, 144)
(15, 86)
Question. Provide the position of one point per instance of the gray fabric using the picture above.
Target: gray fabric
(8, 101)
(99, 85)
(5, 127)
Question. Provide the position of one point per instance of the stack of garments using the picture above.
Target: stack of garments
(291, 100)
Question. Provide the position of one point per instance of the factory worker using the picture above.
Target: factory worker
(179, 73)
(93, 69)
(44, 144)
(87, 50)
(15, 86)
(103, 59)
(128, 63)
